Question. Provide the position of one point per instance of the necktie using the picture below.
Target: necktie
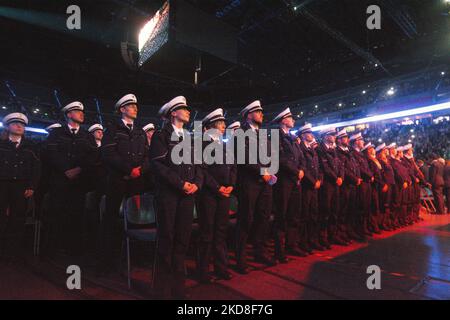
(74, 131)
(15, 143)
(130, 126)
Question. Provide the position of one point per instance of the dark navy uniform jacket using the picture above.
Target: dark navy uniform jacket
(291, 159)
(413, 170)
(388, 173)
(312, 168)
(251, 172)
(169, 174)
(124, 150)
(331, 165)
(377, 172)
(21, 163)
(401, 172)
(351, 166)
(67, 151)
(216, 174)
(366, 173)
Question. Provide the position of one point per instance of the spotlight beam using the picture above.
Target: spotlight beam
(387, 116)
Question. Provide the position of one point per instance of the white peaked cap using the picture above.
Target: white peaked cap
(126, 100)
(76, 105)
(15, 117)
(252, 107)
(95, 127)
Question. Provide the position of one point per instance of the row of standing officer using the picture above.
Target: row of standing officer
(340, 176)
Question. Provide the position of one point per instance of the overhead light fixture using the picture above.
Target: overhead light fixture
(391, 91)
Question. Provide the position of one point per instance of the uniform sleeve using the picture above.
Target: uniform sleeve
(364, 169)
(110, 155)
(199, 178)
(209, 181)
(254, 168)
(88, 159)
(398, 173)
(287, 162)
(158, 154)
(310, 177)
(378, 177)
(55, 158)
(327, 171)
(348, 172)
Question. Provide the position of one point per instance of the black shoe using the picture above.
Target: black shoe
(242, 269)
(223, 275)
(265, 260)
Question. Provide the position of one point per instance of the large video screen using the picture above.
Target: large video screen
(154, 34)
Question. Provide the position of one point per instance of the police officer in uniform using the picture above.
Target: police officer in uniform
(97, 186)
(175, 198)
(387, 189)
(352, 179)
(329, 193)
(44, 181)
(234, 126)
(361, 222)
(290, 174)
(125, 155)
(408, 193)
(255, 195)
(417, 179)
(213, 202)
(69, 156)
(403, 180)
(19, 176)
(377, 186)
(149, 130)
(309, 226)
(149, 177)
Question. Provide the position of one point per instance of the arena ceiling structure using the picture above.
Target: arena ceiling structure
(286, 49)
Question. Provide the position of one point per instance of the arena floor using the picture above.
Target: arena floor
(415, 264)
